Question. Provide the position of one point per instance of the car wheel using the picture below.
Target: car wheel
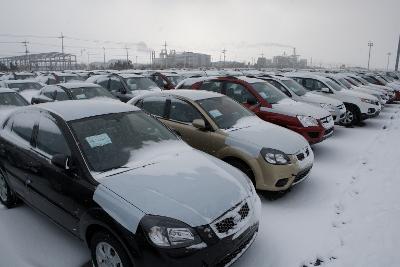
(107, 251)
(352, 116)
(7, 196)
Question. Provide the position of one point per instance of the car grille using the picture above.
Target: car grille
(327, 122)
(301, 175)
(328, 131)
(302, 155)
(232, 221)
(341, 107)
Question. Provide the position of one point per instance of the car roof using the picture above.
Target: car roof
(6, 90)
(21, 81)
(77, 85)
(78, 109)
(193, 95)
(130, 75)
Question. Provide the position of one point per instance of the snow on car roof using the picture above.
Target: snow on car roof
(192, 94)
(249, 79)
(74, 110)
(306, 75)
(130, 75)
(78, 85)
(21, 81)
(6, 90)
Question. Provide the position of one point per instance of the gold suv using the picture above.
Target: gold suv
(273, 157)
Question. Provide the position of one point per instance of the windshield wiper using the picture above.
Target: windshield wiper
(114, 168)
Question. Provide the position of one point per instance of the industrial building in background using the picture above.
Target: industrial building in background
(41, 62)
(173, 59)
(282, 61)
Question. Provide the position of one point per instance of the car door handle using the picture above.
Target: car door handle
(28, 182)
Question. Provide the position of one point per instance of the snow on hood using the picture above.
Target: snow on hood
(5, 111)
(252, 134)
(28, 94)
(315, 98)
(136, 93)
(290, 107)
(182, 183)
(359, 94)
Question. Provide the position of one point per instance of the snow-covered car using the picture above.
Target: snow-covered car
(27, 88)
(71, 91)
(121, 181)
(294, 90)
(125, 86)
(374, 79)
(359, 106)
(220, 126)
(9, 100)
(270, 104)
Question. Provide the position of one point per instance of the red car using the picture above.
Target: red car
(270, 104)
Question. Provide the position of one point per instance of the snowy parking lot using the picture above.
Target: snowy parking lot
(346, 214)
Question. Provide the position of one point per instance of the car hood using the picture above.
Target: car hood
(251, 134)
(5, 111)
(28, 94)
(315, 98)
(136, 93)
(358, 94)
(181, 183)
(288, 106)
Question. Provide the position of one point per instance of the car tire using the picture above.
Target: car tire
(7, 196)
(106, 249)
(352, 116)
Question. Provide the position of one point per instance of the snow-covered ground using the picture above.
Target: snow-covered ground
(346, 214)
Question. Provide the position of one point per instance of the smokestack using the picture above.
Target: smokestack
(398, 55)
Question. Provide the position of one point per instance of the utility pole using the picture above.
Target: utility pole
(136, 61)
(27, 60)
(398, 55)
(104, 57)
(166, 54)
(370, 44)
(127, 55)
(224, 52)
(387, 67)
(62, 49)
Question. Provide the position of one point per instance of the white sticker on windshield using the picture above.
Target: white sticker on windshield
(263, 95)
(98, 140)
(81, 96)
(215, 113)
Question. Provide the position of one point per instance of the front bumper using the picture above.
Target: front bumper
(281, 177)
(212, 252)
(313, 135)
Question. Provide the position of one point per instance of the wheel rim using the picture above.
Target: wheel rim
(349, 117)
(107, 256)
(3, 188)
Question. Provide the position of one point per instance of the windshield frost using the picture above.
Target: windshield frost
(90, 92)
(140, 83)
(295, 87)
(111, 141)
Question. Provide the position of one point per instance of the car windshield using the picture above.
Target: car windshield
(113, 141)
(25, 86)
(334, 85)
(360, 80)
(381, 80)
(12, 99)
(140, 83)
(369, 79)
(224, 111)
(345, 83)
(175, 79)
(295, 87)
(71, 78)
(271, 94)
(90, 92)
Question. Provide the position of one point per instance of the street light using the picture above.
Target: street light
(387, 67)
(370, 44)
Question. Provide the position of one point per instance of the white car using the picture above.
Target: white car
(27, 88)
(359, 81)
(359, 106)
(298, 93)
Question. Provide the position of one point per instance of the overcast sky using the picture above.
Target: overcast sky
(329, 31)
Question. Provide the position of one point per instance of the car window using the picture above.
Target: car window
(213, 86)
(50, 138)
(183, 111)
(12, 99)
(140, 83)
(22, 125)
(280, 87)
(270, 93)
(49, 91)
(154, 105)
(238, 92)
(61, 95)
(115, 85)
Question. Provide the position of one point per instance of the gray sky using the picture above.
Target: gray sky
(331, 32)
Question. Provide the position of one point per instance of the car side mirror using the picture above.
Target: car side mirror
(199, 124)
(326, 90)
(62, 161)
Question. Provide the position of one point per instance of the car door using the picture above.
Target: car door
(16, 152)
(180, 115)
(60, 194)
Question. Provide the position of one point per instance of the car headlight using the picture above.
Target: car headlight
(328, 107)
(275, 156)
(365, 100)
(169, 233)
(307, 121)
